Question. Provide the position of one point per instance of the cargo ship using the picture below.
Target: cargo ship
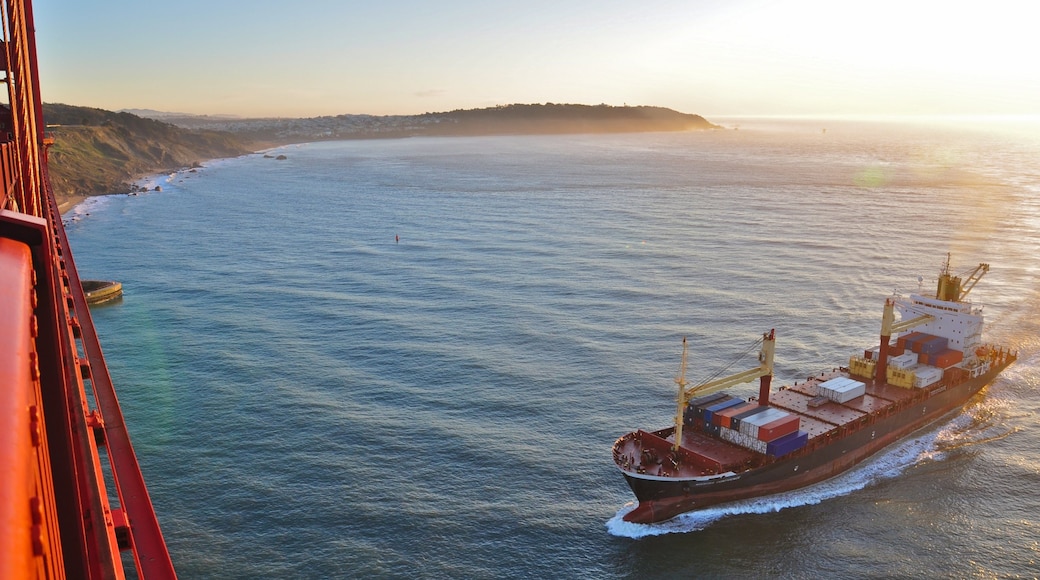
(724, 448)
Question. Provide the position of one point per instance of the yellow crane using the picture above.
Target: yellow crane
(764, 371)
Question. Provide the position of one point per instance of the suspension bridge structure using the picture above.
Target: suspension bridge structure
(73, 501)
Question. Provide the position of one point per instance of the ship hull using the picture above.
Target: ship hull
(662, 498)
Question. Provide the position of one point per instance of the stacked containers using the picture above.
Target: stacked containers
(862, 367)
(842, 389)
(695, 407)
(739, 418)
(756, 428)
(770, 424)
(750, 425)
(725, 416)
(910, 337)
(711, 410)
(932, 345)
(943, 359)
(738, 438)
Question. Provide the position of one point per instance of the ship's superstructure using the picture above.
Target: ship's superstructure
(724, 448)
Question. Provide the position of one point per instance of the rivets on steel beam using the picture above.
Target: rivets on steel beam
(34, 425)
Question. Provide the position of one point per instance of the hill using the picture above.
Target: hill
(536, 119)
(98, 152)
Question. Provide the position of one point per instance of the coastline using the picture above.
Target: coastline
(145, 183)
(71, 201)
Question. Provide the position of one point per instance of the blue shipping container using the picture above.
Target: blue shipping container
(935, 345)
(787, 444)
(709, 412)
(705, 399)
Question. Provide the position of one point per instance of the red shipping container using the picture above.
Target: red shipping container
(902, 340)
(918, 341)
(778, 428)
(947, 358)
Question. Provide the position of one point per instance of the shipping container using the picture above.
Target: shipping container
(705, 399)
(900, 377)
(934, 345)
(919, 338)
(725, 416)
(721, 403)
(946, 358)
(751, 425)
(786, 444)
(862, 367)
(738, 438)
(709, 412)
(776, 429)
(739, 419)
(926, 375)
(903, 361)
(695, 407)
(902, 340)
(872, 353)
(842, 389)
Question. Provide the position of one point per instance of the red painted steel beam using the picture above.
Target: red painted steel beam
(17, 358)
(83, 523)
(150, 552)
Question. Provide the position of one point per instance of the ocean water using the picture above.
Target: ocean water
(410, 358)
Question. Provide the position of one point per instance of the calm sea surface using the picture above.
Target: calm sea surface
(311, 398)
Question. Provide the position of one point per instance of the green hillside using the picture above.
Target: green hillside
(98, 152)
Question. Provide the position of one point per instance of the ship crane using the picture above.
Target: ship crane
(953, 288)
(764, 371)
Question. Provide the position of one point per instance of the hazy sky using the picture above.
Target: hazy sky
(739, 57)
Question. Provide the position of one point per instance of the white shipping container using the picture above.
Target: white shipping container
(744, 441)
(925, 375)
(749, 426)
(731, 435)
(768, 416)
(903, 361)
(842, 389)
(836, 382)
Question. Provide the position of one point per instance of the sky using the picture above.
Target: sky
(305, 58)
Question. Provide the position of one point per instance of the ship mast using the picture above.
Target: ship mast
(764, 371)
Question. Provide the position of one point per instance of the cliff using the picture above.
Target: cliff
(99, 152)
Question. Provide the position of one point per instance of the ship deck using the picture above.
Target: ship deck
(829, 415)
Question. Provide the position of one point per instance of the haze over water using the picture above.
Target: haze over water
(311, 398)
